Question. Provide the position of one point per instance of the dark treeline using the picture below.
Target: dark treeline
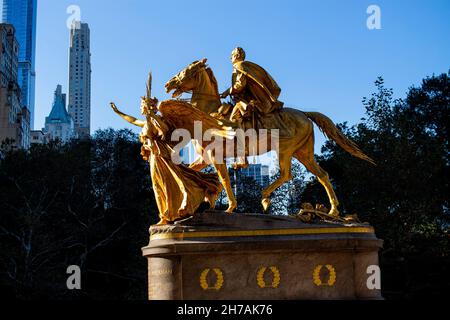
(405, 197)
(90, 203)
(85, 203)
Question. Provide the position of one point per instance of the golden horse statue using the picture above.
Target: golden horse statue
(295, 136)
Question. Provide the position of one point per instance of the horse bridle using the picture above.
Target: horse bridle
(177, 78)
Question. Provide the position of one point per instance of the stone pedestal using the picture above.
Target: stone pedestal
(249, 256)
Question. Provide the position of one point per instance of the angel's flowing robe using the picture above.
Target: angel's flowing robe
(179, 190)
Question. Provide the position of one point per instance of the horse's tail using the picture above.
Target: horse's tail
(330, 130)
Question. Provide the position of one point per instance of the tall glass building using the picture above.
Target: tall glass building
(22, 15)
(80, 78)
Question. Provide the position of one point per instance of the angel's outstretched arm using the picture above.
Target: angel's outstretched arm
(128, 118)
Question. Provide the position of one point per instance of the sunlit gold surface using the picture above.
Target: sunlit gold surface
(253, 233)
(252, 85)
(179, 190)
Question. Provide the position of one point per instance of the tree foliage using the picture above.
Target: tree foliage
(289, 196)
(85, 203)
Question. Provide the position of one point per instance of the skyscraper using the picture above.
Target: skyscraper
(22, 15)
(258, 172)
(14, 117)
(80, 78)
(59, 124)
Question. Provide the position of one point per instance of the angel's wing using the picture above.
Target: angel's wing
(182, 114)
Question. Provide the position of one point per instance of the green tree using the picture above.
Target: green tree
(247, 192)
(288, 198)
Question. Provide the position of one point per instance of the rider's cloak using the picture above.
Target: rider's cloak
(259, 86)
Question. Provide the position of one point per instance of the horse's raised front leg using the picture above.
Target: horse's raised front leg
(285, 175)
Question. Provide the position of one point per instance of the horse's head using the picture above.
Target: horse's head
(185, 80)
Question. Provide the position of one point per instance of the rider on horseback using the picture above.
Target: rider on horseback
(254, 91)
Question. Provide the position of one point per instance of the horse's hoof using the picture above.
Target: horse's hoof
(231, 208)
(162, 222)
(211, 200)
(265, 203)
(334, 212)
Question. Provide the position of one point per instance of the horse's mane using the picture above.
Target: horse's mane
(212, 78)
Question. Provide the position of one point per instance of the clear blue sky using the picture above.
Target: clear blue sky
(320, 52)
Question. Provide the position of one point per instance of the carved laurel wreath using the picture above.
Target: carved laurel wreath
(276, 277)
(219, 279)
(331, 280)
